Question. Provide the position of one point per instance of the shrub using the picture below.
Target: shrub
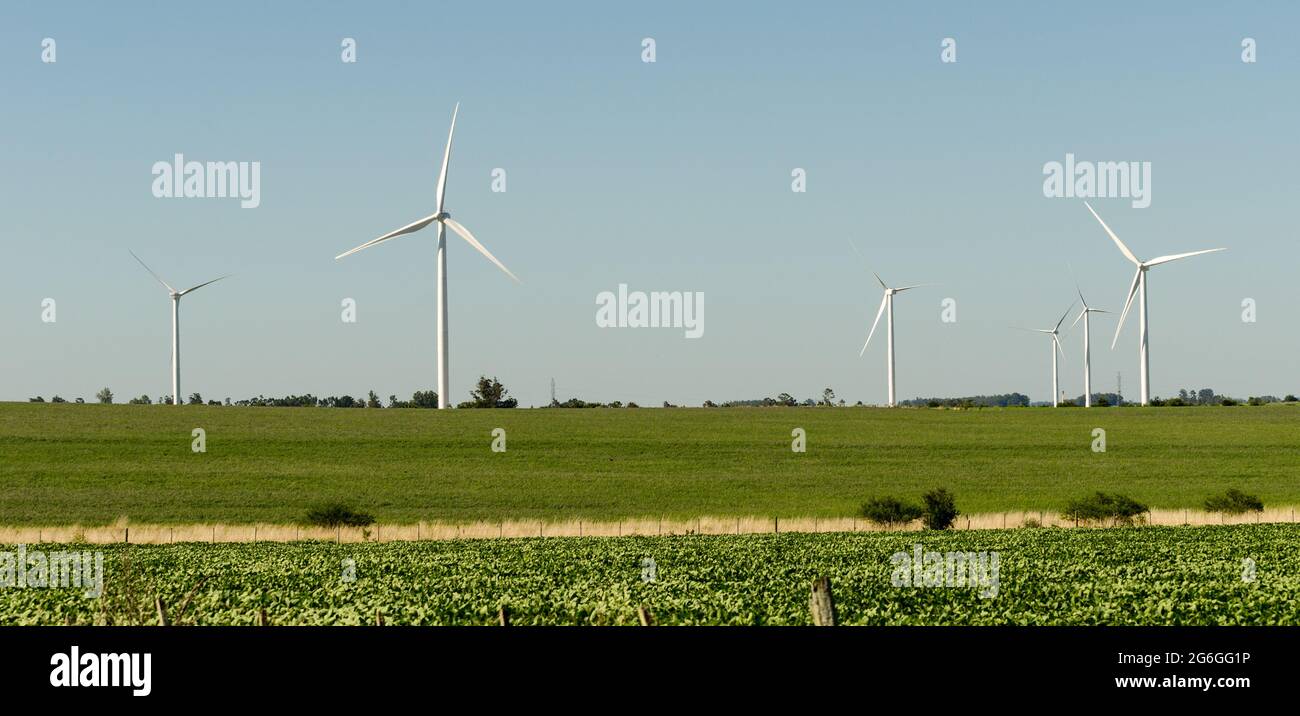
(1234, 502)
(890, 511)
(1102, 506)
(940, 509)
(337, 514)
(1228, 401)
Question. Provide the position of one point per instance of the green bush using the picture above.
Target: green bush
(890, 511)
(940, 509)
(337, 514)
(1234, 502)
(1103, 506)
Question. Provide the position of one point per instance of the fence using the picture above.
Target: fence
(214, 533)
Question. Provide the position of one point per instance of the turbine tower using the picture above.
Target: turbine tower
(445, 222)
(887, 302)
(1087, 354)
(1139, 287)
(176, 325)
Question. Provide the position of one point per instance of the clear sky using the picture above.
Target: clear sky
(672, 175)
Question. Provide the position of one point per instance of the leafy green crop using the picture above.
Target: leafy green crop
(1151, 575)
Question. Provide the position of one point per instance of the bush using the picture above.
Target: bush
(1102, 506)
(337, 514)
(1228, 402)
(1234, 502)
(890, 511)
(940, 509)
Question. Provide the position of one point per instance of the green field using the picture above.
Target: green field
(1150, 575)
(93, 464)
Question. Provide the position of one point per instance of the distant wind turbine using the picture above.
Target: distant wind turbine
(1056, 346)
(176, 325)
(887, 302)
(445, 222)
(1087, 355)
(1139, 287)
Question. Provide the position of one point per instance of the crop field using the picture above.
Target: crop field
(1148, 575)
(95, 464)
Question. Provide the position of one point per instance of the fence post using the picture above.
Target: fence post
(643, 614)
(126, 535)
(379, 618)
(262, 619)
(162, 611)
(503, 617)
(821, 603)
(776, 525)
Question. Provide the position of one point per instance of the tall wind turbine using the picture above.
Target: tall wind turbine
(887, 302)
(1140, 287)
(176, 325)
(1087, 355)
(445, 222)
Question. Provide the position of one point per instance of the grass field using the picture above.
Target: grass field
(93, 464)
(1149, 575)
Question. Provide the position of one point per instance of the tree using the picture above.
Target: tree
(57, 399)
(372, 401)
(1205, 396)
(828, 397)
(104, 396)
(786, 399)
(890, 511)
(196, 399)
(142, 400)
(940, 509)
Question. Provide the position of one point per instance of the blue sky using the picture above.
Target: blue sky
(667, 176)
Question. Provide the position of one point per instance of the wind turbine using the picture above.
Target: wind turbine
(1140, 287)
(176, 325)
(1056, 346)
(1087, 359)
(444, 222)
(887, 302)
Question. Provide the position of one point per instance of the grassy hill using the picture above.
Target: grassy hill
(91, 464)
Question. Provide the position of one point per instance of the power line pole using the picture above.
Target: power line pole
(1119, 386)
(553, 400)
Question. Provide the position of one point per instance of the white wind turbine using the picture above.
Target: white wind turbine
(176, 325)
(1056, 346)
(887, 302)
(1140, 287)
(1087, 354)
(445, 222)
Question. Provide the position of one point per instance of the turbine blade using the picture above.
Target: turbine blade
(195, 288)
(446, 157)
(917, 285)
(880, 280)
(1082, 313)
(146, 268)
(1123, 249)
(874, 323)
(1166, 259)
(1058, 345)
(1132, 291)
(1063, 315)
(413, 226)
(464, 234)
